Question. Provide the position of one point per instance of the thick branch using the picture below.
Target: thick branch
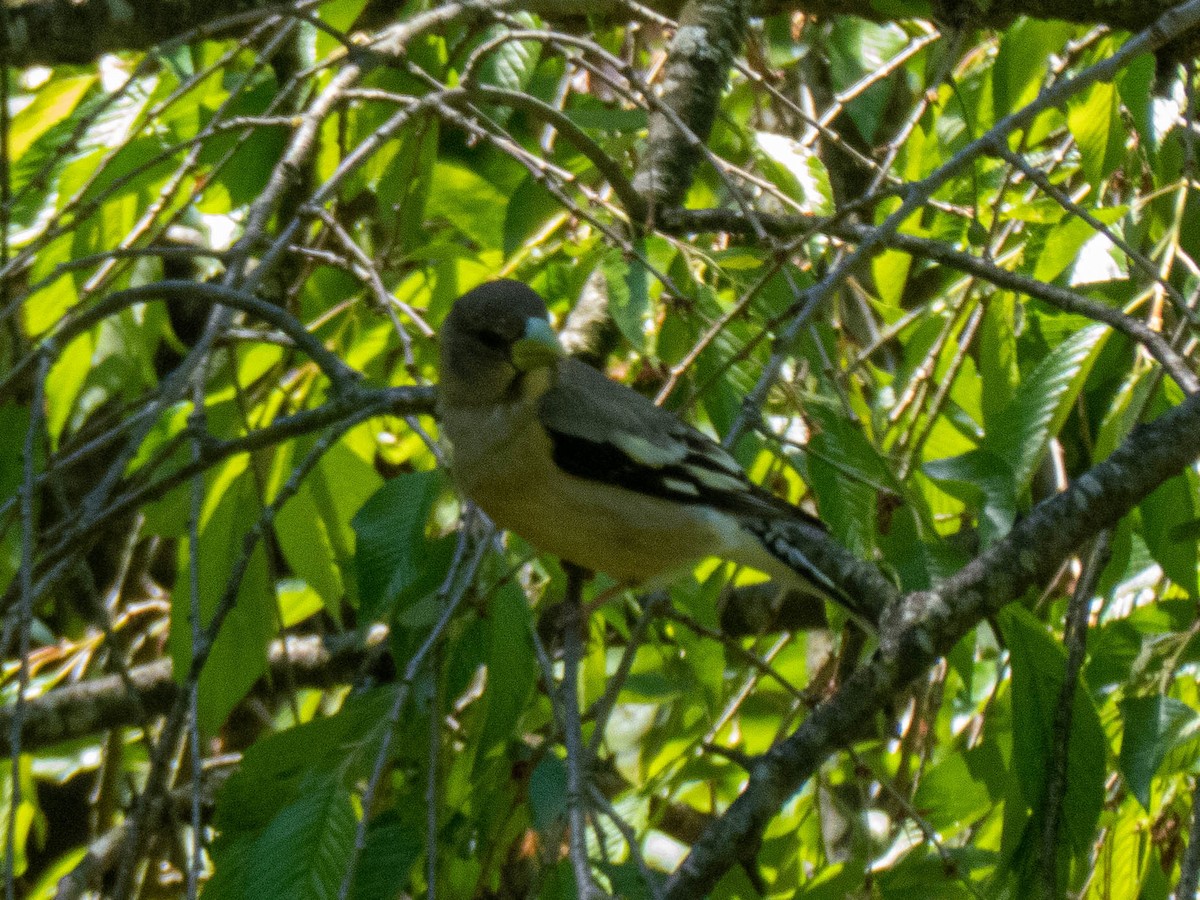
(709, 36)
(927, 624)
(102, 703)
(52, 32)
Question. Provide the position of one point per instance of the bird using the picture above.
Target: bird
(587, 469)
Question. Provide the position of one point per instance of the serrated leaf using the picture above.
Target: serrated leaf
(1153, 726)
(302, 853)
(1022, 431)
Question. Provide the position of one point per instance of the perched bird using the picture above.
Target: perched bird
(586, 468)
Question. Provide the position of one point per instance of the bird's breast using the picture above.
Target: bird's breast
(503, 461)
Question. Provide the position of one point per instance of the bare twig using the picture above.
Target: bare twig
(573, 625)
(1075, 638)
(24, 616)
(458, 582)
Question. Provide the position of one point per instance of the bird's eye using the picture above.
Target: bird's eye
(491, 339)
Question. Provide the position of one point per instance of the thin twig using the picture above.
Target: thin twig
(24, 616)
(1075, 638)
(573, 625)
(197, 424)
(1189, 867)
(450, 595)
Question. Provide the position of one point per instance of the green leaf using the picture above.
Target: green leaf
(1021, 61)
(797, 170)
(1095, 120)
(509, 65)
(391, 550)
(43, 308)
(855, 47)
(529, 209)
(469, 202)
(998, 356)
(1166, 514)
(54, 102)
(303, 852)
(1044, 398)
(239, 654)
(392, 849)
(1062, 248)
(297, 601)
(1135, 84)
(628, 296)
(340, 16)
(950, 796)
(548, 791)
(983, 480)
(511, 667)
(1153, 726)
(1038, 669)
(603, 118)
(313, 526)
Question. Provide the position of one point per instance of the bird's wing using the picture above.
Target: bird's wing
(603, 431)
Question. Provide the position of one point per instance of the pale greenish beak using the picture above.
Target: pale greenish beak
(539, 348)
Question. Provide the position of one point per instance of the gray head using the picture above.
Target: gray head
(493, 335)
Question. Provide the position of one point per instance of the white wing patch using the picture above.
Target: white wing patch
(648, 453)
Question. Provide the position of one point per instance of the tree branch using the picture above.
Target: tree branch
(926, 625)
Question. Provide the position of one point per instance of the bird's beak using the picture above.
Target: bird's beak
(539, 347)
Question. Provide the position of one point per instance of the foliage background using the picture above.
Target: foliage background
(921, 270)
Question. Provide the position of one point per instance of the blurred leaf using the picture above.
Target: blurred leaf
(391, 549)
(1020, 67)
(239, 654)
(1038, 667)
(391, 851)
(628, 297)
(53, 103)
(998, 357)
(1095, 121)
(548, 791)
(1153, 726)
(297, 601)
(530, 208)
(511, 667)
(1135, 84)
(1166, 513)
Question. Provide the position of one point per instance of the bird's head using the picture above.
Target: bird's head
(494, 336)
